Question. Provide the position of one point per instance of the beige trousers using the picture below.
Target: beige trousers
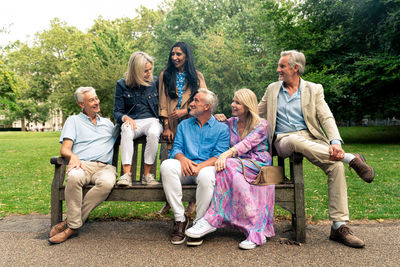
(317, 152)
(102, 176)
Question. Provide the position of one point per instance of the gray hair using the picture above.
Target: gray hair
(78, 95)
(211, 98)
(296, 58)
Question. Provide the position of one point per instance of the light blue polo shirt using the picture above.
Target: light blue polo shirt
(90, 142)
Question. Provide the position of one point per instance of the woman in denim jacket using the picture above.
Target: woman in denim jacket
(136, 110)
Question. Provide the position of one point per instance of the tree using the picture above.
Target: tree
(8, 89)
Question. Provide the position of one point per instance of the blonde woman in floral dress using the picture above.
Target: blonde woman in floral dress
(236, 203)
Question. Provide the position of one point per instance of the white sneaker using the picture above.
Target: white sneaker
(200, 229)
(149, 180)
(125, 179)
(247, 244)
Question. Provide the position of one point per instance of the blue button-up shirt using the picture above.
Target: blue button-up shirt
(200, 144)
(289, 116)
(90, 142)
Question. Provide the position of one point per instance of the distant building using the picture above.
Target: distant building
(54, 123)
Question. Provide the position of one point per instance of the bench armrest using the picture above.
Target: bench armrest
(60, 165)
(59, 161)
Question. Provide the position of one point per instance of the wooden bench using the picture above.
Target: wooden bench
(289, 195)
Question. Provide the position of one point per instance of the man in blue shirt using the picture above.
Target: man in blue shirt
(87, 142)
(300, 120)
(198, 143)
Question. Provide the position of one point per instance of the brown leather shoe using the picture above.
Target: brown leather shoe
(344, 235)
(178, 235)
(366, 172)
(164, 209)
(58, 228)
(62, 236)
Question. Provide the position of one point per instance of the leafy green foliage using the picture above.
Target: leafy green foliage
(352, 49)
(8, 89)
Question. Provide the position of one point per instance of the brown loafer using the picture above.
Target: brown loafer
(366, 172)
(58, 228)
(344, 235)
(64, 235)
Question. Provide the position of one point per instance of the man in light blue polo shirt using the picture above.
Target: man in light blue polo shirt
(87, 141)
(198, 143)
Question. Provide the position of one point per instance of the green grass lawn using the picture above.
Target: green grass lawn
(26, 175)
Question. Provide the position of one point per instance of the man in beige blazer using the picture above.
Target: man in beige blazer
(299, 120)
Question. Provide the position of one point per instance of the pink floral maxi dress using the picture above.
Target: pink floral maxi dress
(235, 202)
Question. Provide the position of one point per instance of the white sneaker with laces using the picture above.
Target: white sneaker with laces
(200, 229)
(125, 179)
(247, 244)
(148, 179)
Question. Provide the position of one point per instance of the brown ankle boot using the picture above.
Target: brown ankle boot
(366, 172)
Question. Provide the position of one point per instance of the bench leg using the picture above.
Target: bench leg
(299, 218)
(56, 207)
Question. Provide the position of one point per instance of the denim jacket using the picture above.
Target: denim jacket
(125, 101)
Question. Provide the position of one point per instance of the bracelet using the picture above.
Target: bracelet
(233, 151)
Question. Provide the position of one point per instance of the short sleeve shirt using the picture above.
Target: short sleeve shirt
(90, 142)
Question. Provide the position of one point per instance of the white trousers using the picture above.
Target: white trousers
(317, 152)
(172, 181)
(151, 128)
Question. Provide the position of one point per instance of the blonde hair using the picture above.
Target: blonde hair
(134, 76)
(249, 99)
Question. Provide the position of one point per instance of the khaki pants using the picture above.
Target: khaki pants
(103, 177)
(317, 152)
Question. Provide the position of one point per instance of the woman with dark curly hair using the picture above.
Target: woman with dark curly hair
(178, 83)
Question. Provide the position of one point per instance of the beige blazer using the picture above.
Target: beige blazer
(317, 115)
(168, 105)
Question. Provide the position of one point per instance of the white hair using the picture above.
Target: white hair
(78, 95)
(211, 98)
(296, 58)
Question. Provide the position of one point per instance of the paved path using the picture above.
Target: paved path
(23, 242)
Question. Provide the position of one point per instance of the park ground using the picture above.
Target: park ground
(23, 242)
